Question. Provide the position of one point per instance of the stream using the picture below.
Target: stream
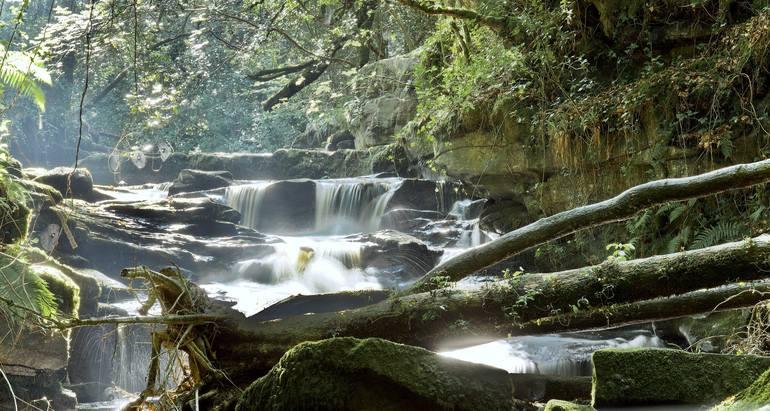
(358, 236)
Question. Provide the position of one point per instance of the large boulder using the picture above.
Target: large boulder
(373, 374)
(385, 100)
(425, 195)
(70, 182)
(35, 360)
(661, 376)
(198, 180)
(285, 207)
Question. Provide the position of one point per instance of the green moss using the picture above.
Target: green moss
(374, 374)
(648, 376)
(753, 397)
(63, 288)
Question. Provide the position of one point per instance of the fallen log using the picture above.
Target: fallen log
(619, 208)
(727, 297)
(242, 349)
(533, 303)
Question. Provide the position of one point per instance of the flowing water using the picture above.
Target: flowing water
(553, 354)
(332, 252)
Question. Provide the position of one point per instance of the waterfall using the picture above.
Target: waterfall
(320, 265)
(247, 199)
(349, 205)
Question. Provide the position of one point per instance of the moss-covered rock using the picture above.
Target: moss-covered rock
(374, 374)
(754, 397)
(559, 405)
(660, 376)
(77, 183)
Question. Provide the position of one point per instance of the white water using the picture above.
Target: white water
(554, 354)
(343, 206)
(300, 265)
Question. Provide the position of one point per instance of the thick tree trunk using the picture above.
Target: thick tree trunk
(618, 208)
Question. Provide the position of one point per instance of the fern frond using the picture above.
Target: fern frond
(20, 72)
(721, 232)
(22, 287)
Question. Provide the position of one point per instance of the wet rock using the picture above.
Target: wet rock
(409, 220)
(69, 182)
(707, 332)
(374, 374)
(287, 207)
(197, 234)
(346, 145)
(197, 180)
(661, 376)
(502, 216)
(36, 390)
(36, 359)
(42, 195)
(559, 405)
(177, 211)
(284, 164)
(400, 255)
(539, 387)
(425, 195)
(320, 303)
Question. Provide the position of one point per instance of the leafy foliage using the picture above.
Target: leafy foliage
(21, 72)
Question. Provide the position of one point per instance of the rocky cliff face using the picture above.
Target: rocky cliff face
(656, 90)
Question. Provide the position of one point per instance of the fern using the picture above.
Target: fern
(22, 288)
(20, 72)
(719, 233)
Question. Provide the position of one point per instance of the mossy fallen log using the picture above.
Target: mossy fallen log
(662, 376)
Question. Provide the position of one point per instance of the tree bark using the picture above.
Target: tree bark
(621, 207)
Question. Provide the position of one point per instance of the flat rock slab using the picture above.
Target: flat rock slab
(663, 376)
(320, 303)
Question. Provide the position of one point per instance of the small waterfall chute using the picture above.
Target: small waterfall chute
(350, 205)
(247, 199)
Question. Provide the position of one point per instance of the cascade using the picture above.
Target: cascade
(247, 200)
(350, 205)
